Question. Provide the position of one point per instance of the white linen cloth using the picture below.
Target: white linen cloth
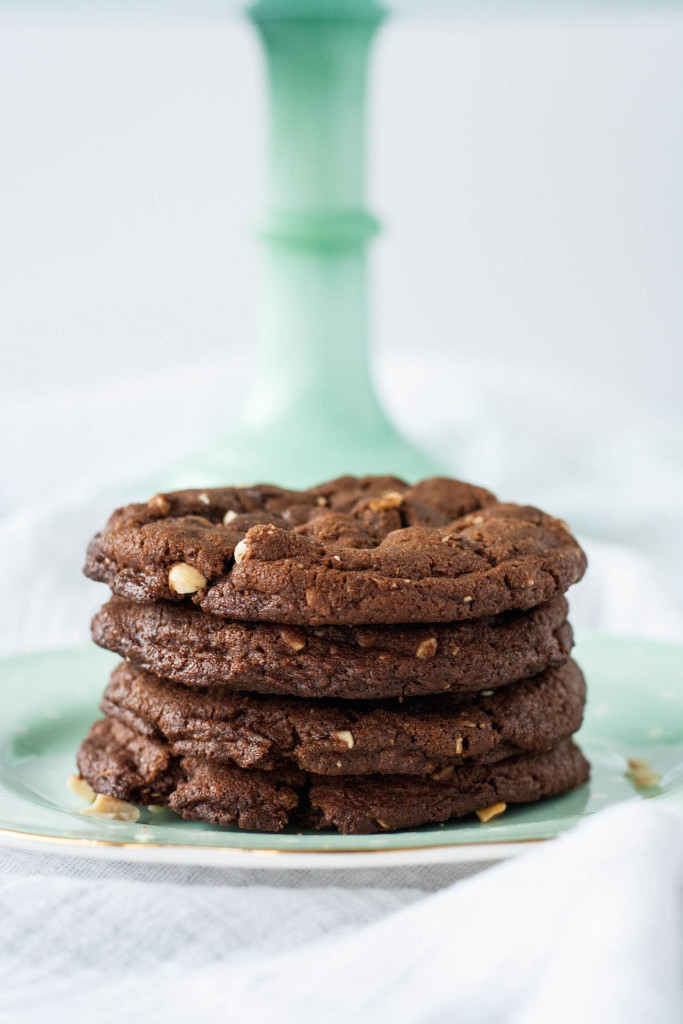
(588, 928)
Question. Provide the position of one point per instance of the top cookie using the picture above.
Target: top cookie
(347, 552)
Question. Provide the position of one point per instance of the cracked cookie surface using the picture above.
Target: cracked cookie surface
(344, 737)
(119, 762)
(347, 552)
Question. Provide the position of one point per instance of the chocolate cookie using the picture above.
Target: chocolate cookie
(118, 762)
(413, 737)
(352, 551)
(378, 803)
(182, 643)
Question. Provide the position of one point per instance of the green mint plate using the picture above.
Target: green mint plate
(635, 709)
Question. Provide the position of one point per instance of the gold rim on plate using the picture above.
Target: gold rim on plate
(34, 836)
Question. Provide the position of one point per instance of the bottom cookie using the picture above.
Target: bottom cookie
(119, 762)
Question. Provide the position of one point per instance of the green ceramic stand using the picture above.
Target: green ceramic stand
(311, 409)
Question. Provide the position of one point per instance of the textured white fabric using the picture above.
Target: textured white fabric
(588, 928)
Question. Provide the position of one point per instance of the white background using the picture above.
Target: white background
(528, 302)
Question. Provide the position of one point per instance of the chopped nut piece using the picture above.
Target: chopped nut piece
(392, 499)
(295, 641)
(310, 594)
(383, 657)
(185, 579)
(427, 648)
(468, 600)
(486, 693)
(468, 725)
(489, 813)
(241, 551)
(529, 583)
(345, 737)
(365, 638)
(458, 745)
(641, 774)
(321, 500)
(81, 788)
(336, 558)
(111, 808)
(159, 505)
(204, 498)
(382, 823)
(477, 519)
(339, 764)
(443, 773)
(229, 516)
(643, 778)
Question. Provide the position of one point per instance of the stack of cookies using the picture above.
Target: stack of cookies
(361, 656)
